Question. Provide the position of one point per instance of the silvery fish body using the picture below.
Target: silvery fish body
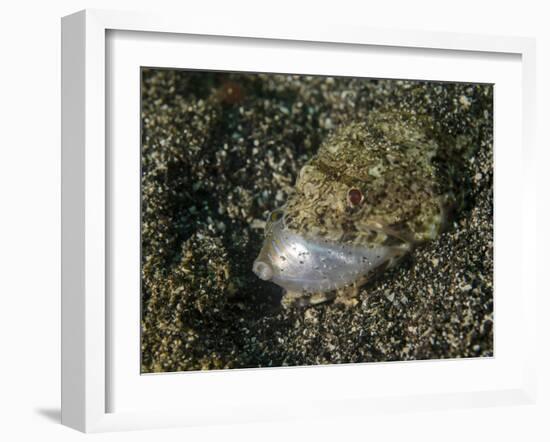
(373, 191)
(314, 265)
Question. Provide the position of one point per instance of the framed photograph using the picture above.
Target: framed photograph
(270, 223)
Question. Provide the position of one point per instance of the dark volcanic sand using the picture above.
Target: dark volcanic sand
(220, 151)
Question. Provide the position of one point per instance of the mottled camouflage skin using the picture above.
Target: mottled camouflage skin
(393, 161)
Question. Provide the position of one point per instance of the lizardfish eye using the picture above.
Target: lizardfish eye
(355, 197)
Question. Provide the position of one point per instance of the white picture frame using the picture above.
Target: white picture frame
(86, 315)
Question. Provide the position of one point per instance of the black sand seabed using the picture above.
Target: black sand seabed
(220, 151)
